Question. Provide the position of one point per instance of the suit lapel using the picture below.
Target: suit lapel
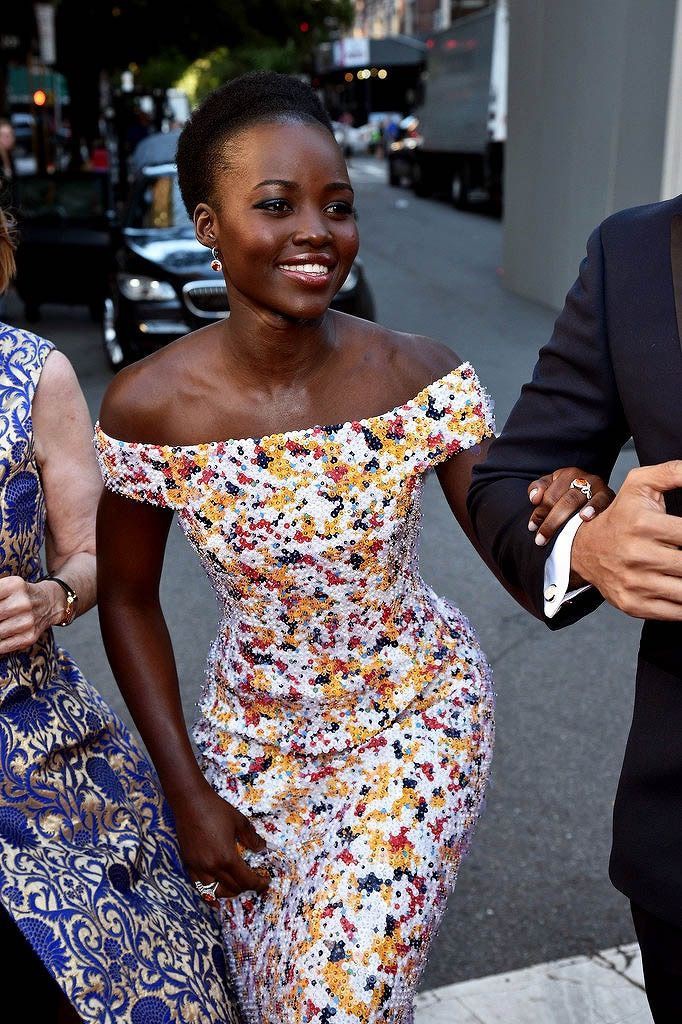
(676, 264)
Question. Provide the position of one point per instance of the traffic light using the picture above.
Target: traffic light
(304, 26)
(40, 97)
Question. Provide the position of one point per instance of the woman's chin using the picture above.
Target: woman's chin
(302, 312)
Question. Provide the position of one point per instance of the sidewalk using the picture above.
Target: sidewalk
(606, 988)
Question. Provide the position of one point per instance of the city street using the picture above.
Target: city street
(535, 887)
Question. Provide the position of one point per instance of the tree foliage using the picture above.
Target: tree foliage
(211, 40)
(210, 71)
(139, 31)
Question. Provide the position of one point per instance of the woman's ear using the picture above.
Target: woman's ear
(204, 220)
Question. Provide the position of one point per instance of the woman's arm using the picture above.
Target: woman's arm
(62, 434)
(551, 503)
(551, 500)
(131, 543)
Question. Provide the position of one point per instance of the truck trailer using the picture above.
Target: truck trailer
(463, 117)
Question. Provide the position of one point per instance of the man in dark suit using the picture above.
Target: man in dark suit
(613, 369)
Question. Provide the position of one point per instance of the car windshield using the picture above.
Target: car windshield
(52, 197)
(157, 205)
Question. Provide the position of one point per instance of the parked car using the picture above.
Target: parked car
(157, 148)
(161, 285)
(65, 243)
(24, 153)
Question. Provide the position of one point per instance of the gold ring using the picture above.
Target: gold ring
(582, 485)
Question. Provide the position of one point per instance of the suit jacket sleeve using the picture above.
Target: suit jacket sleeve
(570, 414)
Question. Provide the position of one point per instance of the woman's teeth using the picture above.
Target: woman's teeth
(305, 268)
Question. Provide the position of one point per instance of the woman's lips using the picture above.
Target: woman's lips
(314, 275)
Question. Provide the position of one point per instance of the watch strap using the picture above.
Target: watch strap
(71, 599)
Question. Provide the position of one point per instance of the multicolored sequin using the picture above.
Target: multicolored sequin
(89, 864)
(347, 709)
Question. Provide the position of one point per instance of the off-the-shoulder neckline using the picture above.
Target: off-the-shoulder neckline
(329, 428)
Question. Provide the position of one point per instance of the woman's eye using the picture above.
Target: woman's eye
(274, 205)
(345, 209)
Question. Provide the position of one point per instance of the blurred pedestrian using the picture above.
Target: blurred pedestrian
(611, 371)
(138, 129)
(7, 144)
(97, 919)
(157, 148)
(99, 156)
(346, 725)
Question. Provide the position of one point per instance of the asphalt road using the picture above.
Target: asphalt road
(535, 885)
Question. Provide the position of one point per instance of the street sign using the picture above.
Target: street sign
(351, 52)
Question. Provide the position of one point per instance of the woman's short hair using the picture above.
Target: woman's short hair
(257, 97)
(8, 244)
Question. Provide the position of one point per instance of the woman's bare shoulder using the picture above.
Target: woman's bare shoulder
(412, 359)
(57, 382)
(142, 399)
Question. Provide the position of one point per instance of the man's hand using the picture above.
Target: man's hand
(631, 552)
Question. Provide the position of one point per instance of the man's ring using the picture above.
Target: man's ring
(207, 891)
(582, 485)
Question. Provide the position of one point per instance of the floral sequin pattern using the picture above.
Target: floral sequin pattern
(346, 707)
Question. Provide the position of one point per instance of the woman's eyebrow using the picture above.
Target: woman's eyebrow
(333, 186)
(277, 181)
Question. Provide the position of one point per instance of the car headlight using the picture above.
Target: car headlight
(351, 281)
(137, 287)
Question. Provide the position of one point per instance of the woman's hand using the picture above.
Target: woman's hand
(26, 611)
(556, 501)
(210, 832)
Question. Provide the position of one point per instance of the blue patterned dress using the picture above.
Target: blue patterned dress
(89, 866)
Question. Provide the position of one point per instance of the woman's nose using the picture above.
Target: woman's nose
(312, 229)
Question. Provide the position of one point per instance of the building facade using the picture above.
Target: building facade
(595, 125)
(379, 18)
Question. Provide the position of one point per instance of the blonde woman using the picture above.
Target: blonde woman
(97, 920)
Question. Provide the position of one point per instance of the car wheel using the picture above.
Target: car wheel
(112, 346)
(459, 188)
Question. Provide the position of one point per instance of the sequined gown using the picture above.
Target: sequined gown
(89, 867)
(347, 709)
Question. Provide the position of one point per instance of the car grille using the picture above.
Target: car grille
(206, 299)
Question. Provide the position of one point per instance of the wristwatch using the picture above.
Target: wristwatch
(71, 600)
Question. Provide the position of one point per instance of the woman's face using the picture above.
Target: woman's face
(284, 222)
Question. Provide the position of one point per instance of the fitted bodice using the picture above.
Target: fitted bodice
(309, 538)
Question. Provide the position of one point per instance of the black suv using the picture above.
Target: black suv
(162, 286)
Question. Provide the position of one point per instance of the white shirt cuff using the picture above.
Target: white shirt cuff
(558, 570)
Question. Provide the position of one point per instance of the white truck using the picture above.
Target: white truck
(463, 119)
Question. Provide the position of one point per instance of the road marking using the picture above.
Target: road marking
(367, 167)
(606, 988)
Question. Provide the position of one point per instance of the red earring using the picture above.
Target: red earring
(215, 262)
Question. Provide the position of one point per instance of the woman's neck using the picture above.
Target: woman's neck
(271, 351)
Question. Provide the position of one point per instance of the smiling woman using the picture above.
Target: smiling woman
(346, 724)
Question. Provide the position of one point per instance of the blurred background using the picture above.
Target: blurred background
(485, 139)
